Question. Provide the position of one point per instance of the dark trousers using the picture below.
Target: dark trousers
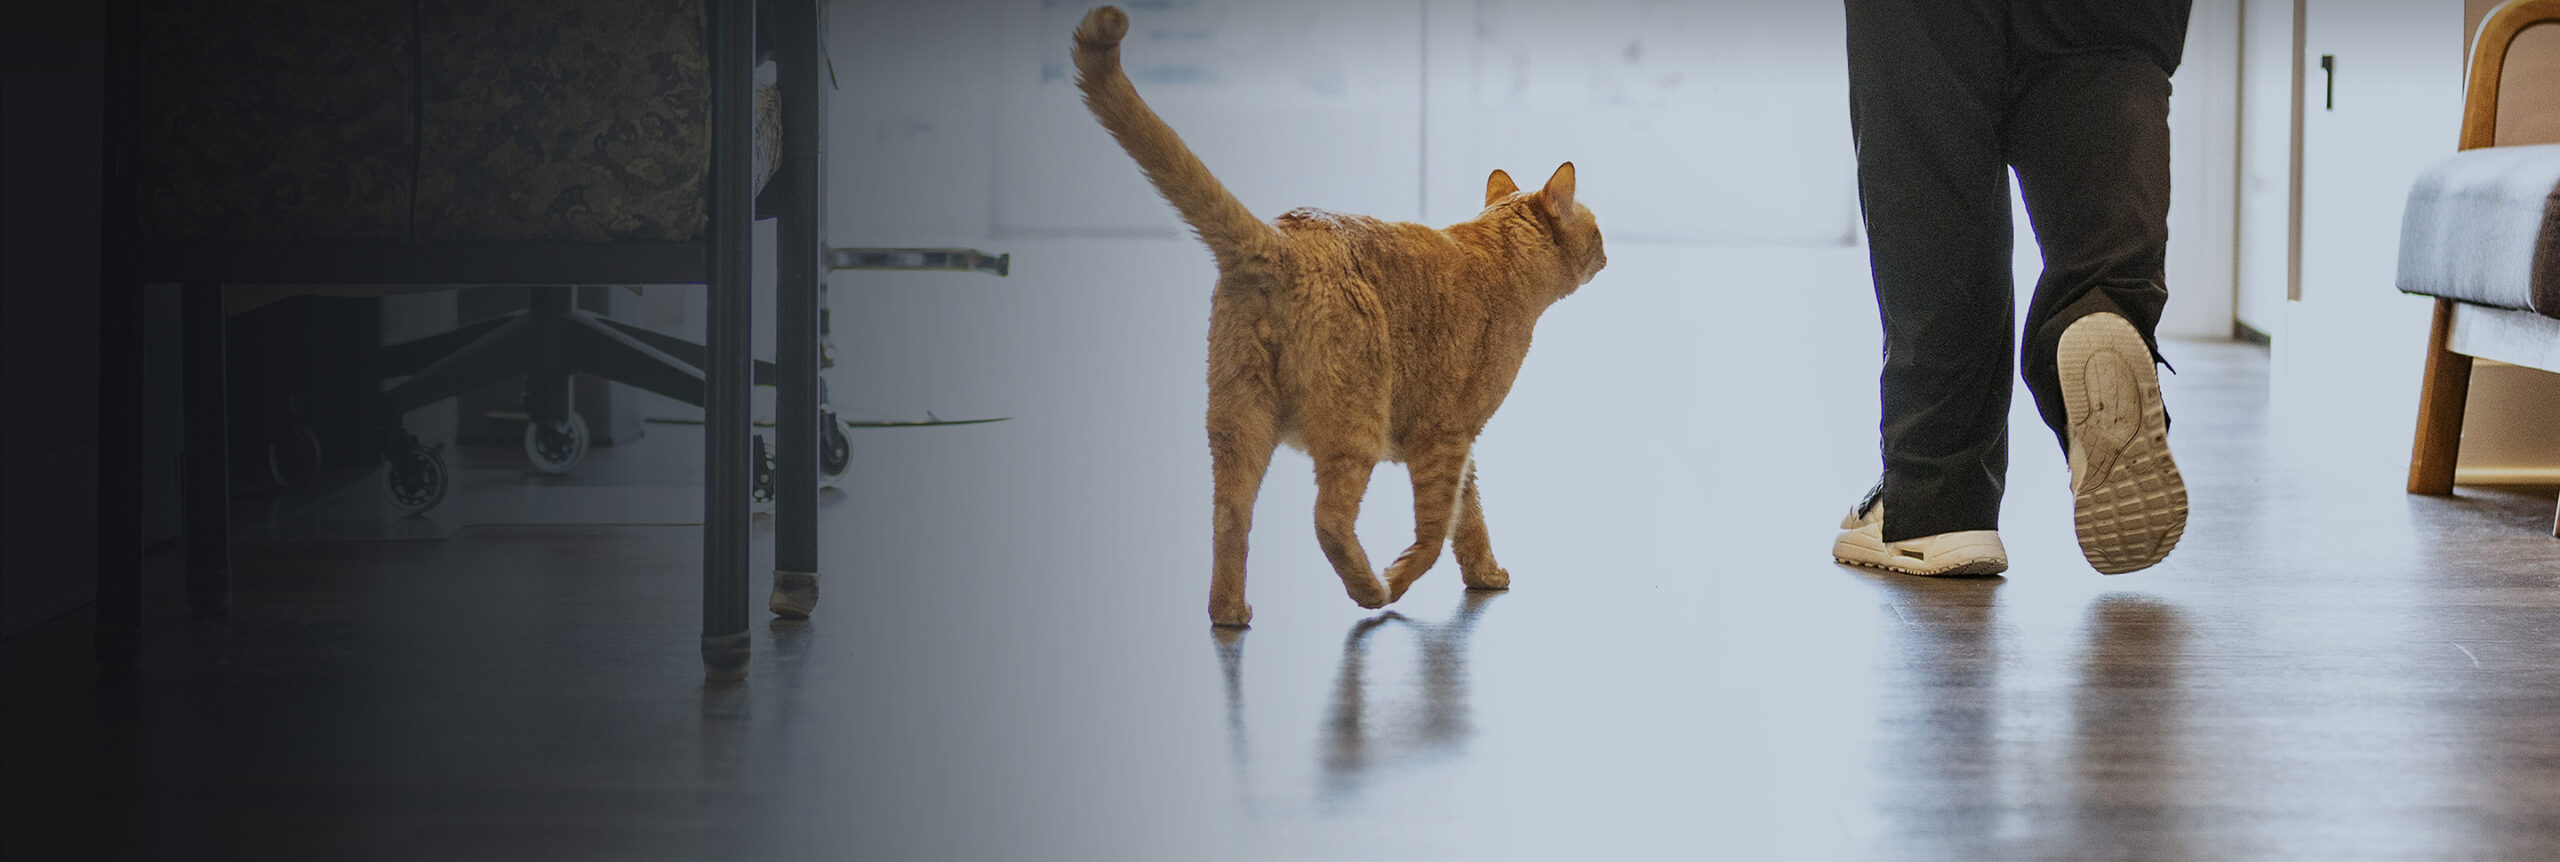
(1946, 96)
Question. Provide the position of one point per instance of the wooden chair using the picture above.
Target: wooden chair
(2482, 236)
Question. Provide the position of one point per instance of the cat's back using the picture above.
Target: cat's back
(1363, 241)
(1315, 224)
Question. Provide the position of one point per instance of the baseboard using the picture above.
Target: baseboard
(2535, 476)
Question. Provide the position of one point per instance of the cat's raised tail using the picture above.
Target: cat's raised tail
(1232, 233)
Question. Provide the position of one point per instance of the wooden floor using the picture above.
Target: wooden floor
(1011, 658)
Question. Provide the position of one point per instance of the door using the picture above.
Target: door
(2381, 100)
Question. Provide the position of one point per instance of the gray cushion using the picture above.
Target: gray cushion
(2484, 227)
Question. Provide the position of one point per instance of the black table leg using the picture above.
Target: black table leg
(120, 457)
(729, 375)
(795, 28)
(118, 637)
(207, 459)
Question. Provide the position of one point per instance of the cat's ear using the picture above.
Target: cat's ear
(1499, 186)
(1558, 194)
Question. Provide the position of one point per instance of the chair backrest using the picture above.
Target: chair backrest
(424, 120)
(2489, 62)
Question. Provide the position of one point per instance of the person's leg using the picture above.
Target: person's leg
(2089, 135)
(1928, 80)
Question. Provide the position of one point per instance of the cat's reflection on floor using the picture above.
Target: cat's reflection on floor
(1354, 739)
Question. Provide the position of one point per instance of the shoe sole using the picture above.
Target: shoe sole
(1996, 561)
(2129, 503)
(1975, 569)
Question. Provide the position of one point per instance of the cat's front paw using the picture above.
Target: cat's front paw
(1367, 591)
(1487, 578)
(1234, 614)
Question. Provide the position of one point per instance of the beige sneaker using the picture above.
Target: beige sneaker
(2130, 506)
(1969, 552)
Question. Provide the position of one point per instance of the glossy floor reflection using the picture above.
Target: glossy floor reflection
(1011, 659)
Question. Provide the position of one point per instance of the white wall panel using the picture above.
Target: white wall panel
(1720, 123)
(1291, 104)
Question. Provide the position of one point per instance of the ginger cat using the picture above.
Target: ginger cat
(1353, 339)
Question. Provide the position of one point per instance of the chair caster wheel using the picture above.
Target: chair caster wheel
(555, 447)
(760, 491)
(294, 455)
(835, 453)
(415, 475)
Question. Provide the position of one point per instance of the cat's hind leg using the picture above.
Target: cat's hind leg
(1240, 449)
(1342, 478)
(1439, 470)
(1474, 547)
(1244, 428)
